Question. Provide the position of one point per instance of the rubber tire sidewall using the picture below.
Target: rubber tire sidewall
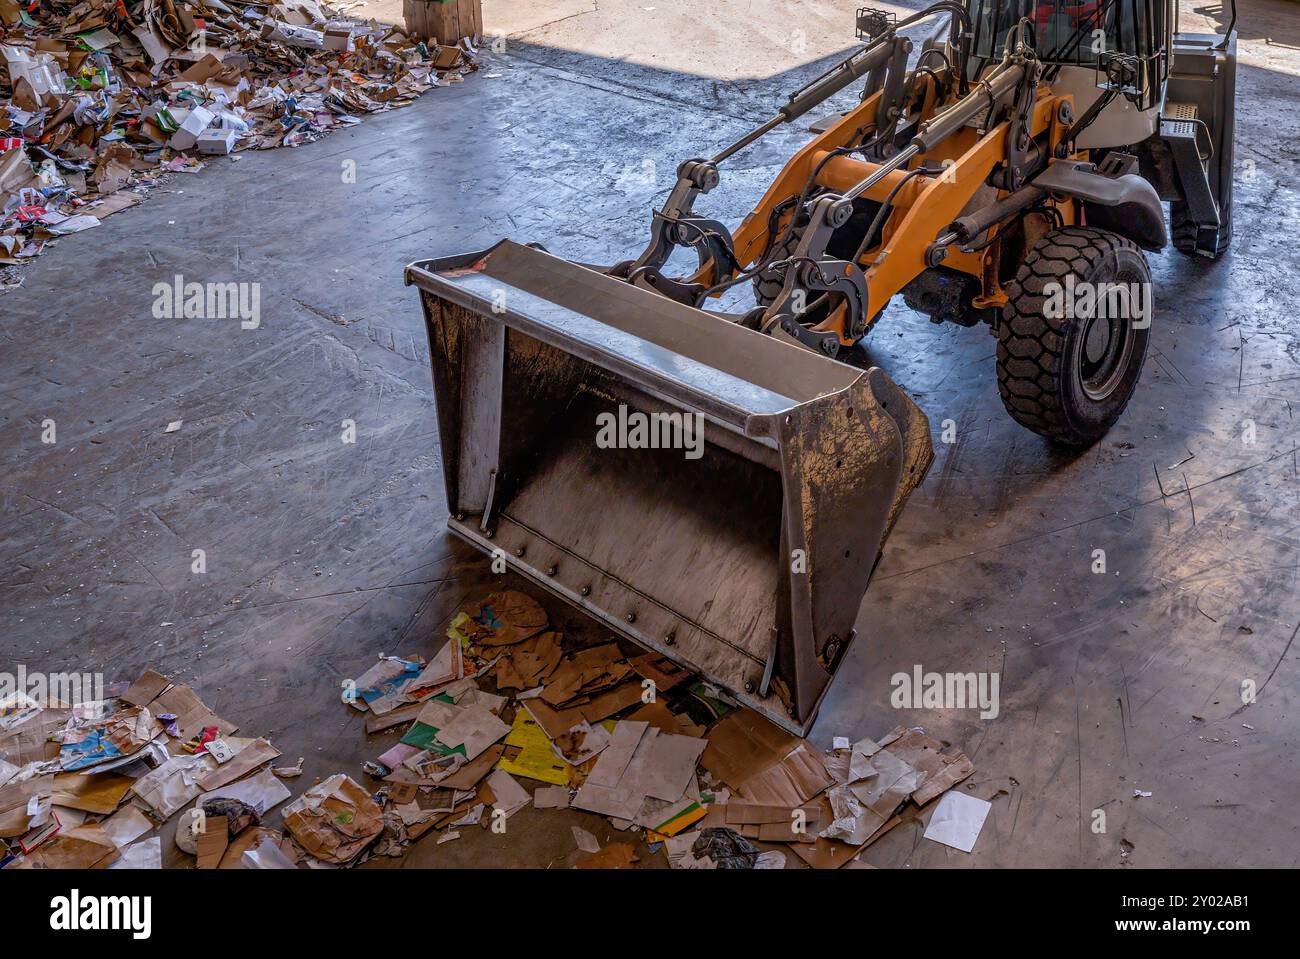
(1068, 414)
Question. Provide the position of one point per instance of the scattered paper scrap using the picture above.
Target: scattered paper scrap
(957, 820)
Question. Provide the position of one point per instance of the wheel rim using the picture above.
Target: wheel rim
(1106, 345)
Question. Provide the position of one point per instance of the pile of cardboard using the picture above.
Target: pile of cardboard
(506, 700)
(506, 713)
(89, 785)
(828, 808)
(102, 99)
(631, 737)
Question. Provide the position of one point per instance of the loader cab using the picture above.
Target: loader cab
(1088, 47)
(1125, 43)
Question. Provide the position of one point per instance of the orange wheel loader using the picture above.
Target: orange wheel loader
(718, 485)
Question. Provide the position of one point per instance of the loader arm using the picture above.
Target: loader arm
(922, 204)
(926, 204)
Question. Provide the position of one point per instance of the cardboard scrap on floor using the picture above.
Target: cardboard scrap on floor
(73, 776)
(506, 713)
(573, 726)
(501, 619)
(617, 855)
(334, 820)
(88, 785)
(548, 728)
(102, 101)
(839, 803)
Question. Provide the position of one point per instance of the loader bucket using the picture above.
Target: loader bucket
(741, 552)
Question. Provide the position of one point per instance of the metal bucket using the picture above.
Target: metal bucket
(710, 492)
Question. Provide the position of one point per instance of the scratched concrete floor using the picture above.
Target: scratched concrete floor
(321, 555)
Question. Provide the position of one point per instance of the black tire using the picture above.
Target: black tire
(843, 244)
(769, 283)
(1066, 377)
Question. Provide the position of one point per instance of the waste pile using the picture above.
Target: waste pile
(88, 785)
(506, 713)
(632, 737)
(102, 100)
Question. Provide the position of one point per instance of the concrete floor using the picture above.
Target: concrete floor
(321, 555)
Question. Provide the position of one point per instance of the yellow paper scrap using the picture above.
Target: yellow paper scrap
(456, 632)
(536, 759)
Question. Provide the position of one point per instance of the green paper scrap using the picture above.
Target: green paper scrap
(424, 736)
(100, 39)
(664, 826)
(717, 707)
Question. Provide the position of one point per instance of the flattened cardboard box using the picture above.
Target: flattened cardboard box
(83, 847)
(942, 770)
(335, 820)
(793, 780)
(30, 742)
(256, 753)
(743, 744)
(98, 793)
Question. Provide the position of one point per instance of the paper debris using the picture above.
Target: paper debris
(510, 796)
(288, 772)
(585, 840)
(145, 854)
(102, 97)
(957, 820)
(334, 820)
(551, 797)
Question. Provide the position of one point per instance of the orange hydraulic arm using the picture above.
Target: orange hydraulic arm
(922, 203)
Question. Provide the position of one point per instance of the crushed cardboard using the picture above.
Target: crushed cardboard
(88, 785)
(573, 724)
(103, 99)
(507, 712)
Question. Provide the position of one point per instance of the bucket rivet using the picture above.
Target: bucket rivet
(550, 570)
(670, 638)
(749, 687)
(631, 617)
(519, 551)
(586, 591)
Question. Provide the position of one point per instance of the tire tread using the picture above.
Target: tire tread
(1031, 345)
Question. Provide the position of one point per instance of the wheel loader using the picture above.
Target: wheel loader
(717, 484)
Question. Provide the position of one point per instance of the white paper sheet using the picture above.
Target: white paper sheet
(145, 854)
(957, 820)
